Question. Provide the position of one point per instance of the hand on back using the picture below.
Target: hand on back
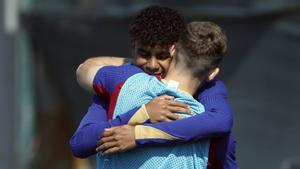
(164, 108)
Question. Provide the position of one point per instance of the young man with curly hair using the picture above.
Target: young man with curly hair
(154, 57)
(198, 53)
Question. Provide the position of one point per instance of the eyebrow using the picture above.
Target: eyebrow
(143, 50)
(165, 53)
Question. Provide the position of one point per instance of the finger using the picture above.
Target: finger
(166, 120)
(107, 146)
(175, 109)
(163, 119)
(176, 103)
(112, 128)
(107, 133)
(98, 143)
(172, 116)
(105, 139)
(111, 151)
(165, 97)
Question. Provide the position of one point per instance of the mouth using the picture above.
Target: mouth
(155, 74)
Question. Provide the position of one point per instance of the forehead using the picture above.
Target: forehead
(151, 47)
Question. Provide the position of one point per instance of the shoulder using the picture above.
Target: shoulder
(119, 73)
(125, 69)
(212, 88)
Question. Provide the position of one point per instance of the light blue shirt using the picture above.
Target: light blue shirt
(139, 89)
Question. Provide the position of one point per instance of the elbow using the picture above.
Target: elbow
(77, 150)
(82, 68)
(227, 126)
(77, 154)
(80, 74)
(79, 70)
(85, 76)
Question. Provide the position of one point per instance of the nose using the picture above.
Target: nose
(152, 65)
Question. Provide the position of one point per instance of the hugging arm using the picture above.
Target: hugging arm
(87, 70)
(215, 121)
(84, 140)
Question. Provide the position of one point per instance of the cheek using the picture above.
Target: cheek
(140, 62)
(166, 65)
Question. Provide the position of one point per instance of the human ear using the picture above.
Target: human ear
(213, 73)
(172, 49)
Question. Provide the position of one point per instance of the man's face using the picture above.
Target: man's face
(153, 60)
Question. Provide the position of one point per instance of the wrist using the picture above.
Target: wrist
(139, 117)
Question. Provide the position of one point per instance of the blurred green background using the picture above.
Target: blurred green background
(43, 41)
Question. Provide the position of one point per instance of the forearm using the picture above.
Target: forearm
(214, 122)
(87, 70)
(83, 142)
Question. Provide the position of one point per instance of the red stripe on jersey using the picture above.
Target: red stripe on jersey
(213, 162)
(113, 100)
(101, 92)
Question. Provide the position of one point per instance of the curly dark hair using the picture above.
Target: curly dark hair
(156, 25)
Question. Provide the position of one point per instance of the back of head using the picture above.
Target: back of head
(201, 47)
(156, 25)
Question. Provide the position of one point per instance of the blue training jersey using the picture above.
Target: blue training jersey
(214, 124)
(136, 91)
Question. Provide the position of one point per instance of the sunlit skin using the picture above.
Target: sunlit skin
(154, 60)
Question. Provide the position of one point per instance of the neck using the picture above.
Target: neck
(186, 81)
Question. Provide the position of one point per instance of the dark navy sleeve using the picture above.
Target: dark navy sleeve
(109, 77)
(215, 121)
(83, 142)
